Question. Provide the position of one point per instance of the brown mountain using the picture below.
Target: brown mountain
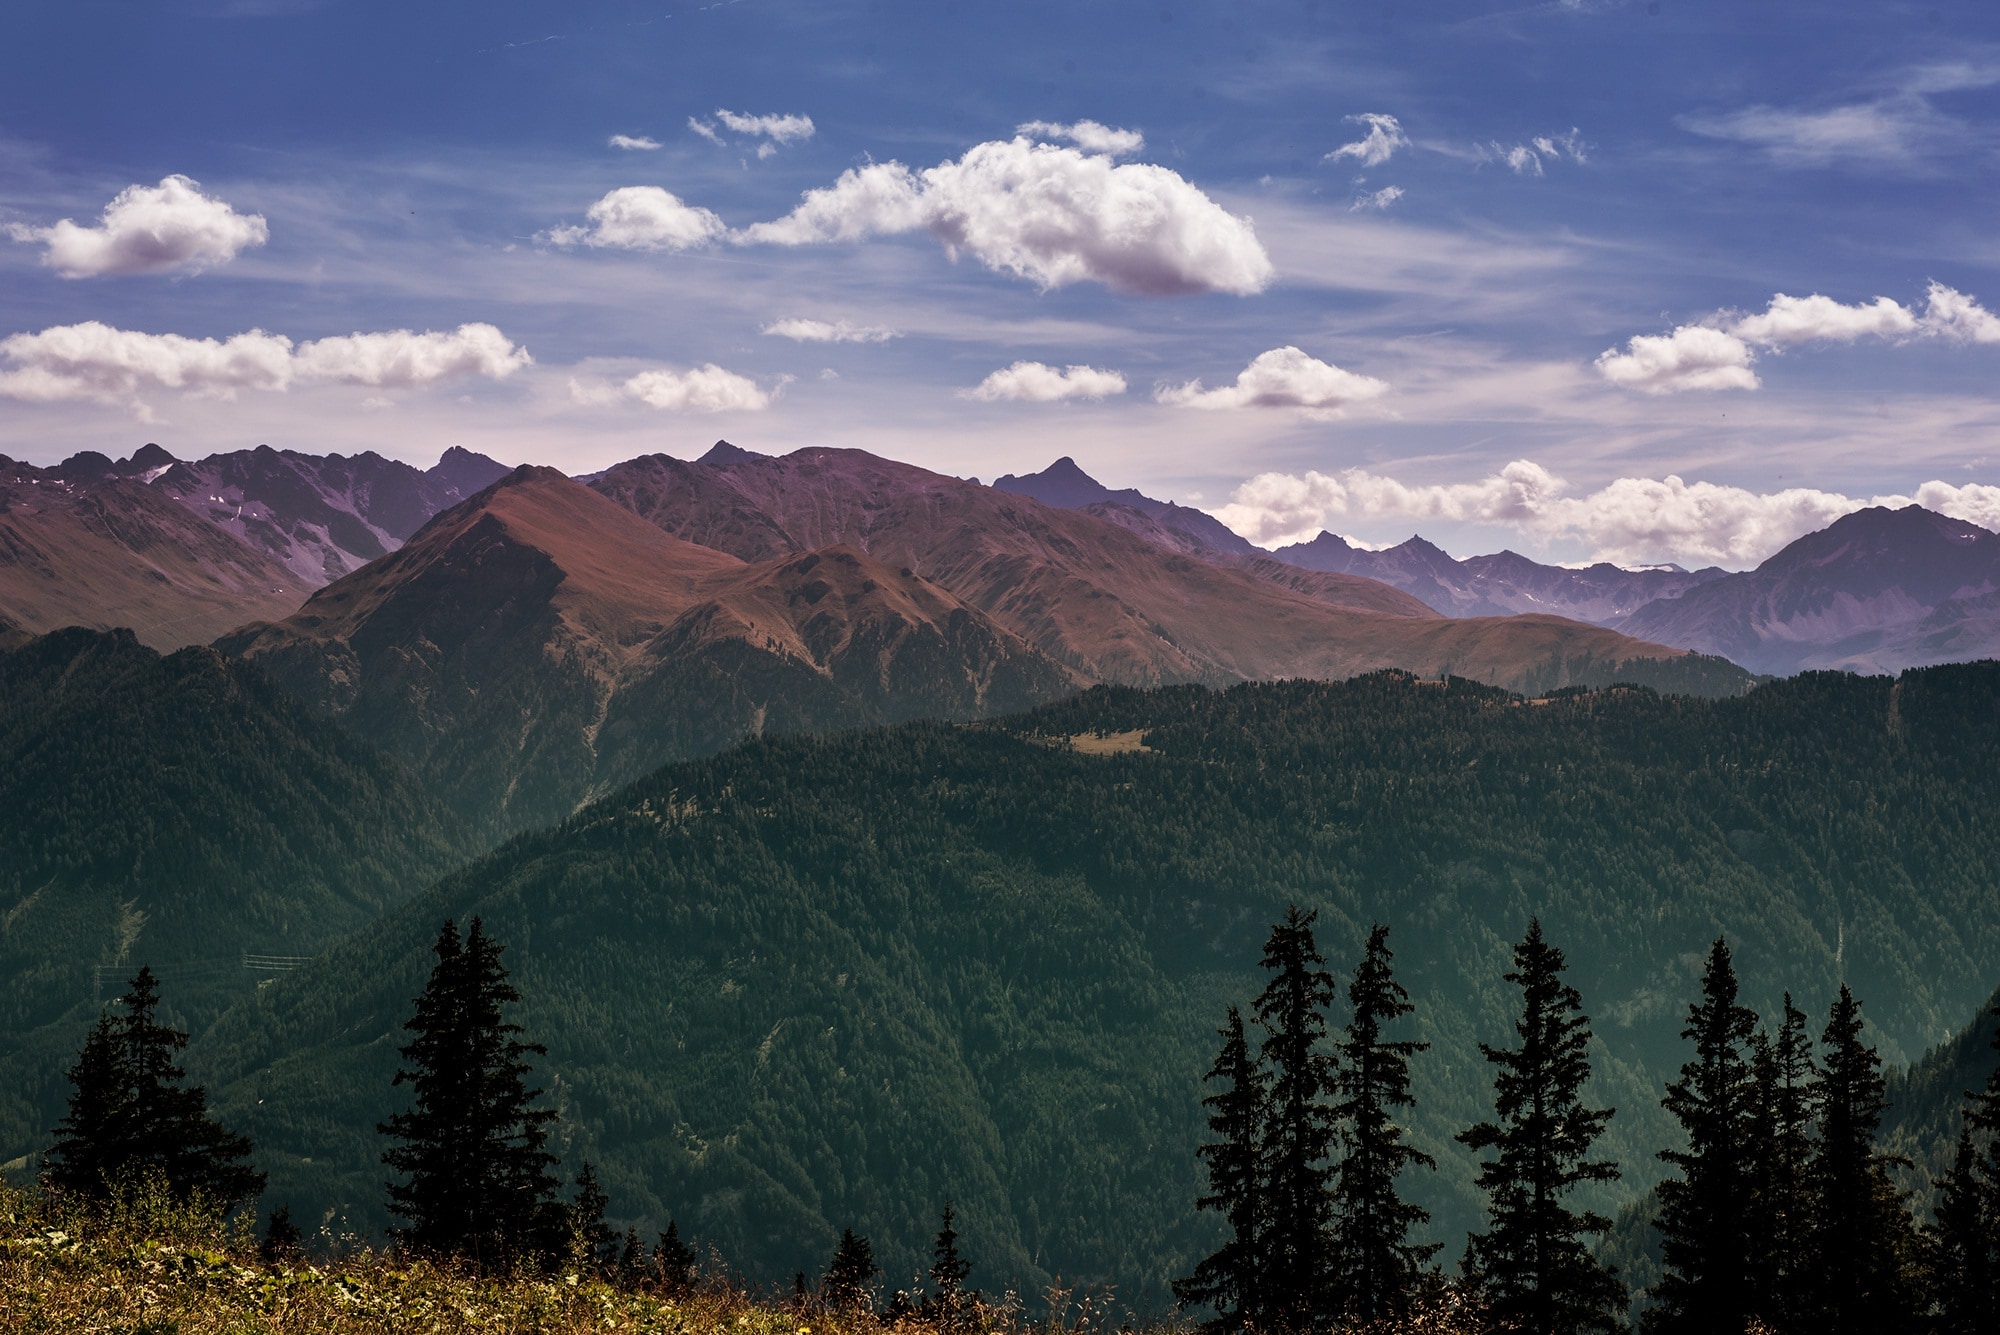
(82, 547)
(1103, 596)
(538, 644)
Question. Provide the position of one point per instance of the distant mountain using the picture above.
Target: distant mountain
(1876, 591)
(82, 545)
(322, 516)
(817, 983)
(1067, 487)
(538, 643)
(1102, 597)
(180, 812)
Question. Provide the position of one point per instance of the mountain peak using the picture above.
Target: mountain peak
(722, 454)
(1064, 485)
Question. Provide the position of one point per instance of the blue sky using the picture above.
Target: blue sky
(1403, 247)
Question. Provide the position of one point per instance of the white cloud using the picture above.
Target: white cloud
(1630, 521)
(1281, 378)
(1887, 131)
(1089, 136)
(1691, 357)
(1950, 314)
(150, 229)
(641, 217)
(705, 389)
(403, 358)
(639, 142)
(821, 331)
(1050, 214)
(1816, 318)
(1385, 135)
(1529, 159)
(1377, 199)
(1035, 382)
(780, 129)
(706, 131)
(94, 361)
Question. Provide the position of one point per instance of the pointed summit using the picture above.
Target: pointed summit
(1064, 485)
(722, 454)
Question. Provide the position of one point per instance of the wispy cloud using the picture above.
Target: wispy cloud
(822, 331)
(1089, 136)
(1385, 135)
(639, 143)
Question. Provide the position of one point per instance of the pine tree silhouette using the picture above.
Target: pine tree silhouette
(1706, 1251)
(949, 1302)
(476, 1178)
(632, 1266)
(1784, 1117)
(1228, 1280)
(592, 1243)
(1379, 1266)
(1958, 1250)
(1863, 1237)
(1533, 1264)
(131, 1118)
(1298, 1287)
(850, 1276)
(674, 1262)
(282, 1240)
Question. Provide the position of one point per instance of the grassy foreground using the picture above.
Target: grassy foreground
(148, 1267)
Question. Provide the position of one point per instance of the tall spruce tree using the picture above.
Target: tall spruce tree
(1784, 1116)
(1708, 1280)
(593, 1243)
(476, 1181)
(1958, 1250)
(850, 1275)
(1228, 1279)
(949, 1303)
(131, 1116)
(1298, 1288)
(1533, 1265)
(674, 1262)
(1863, 1237)
(1379, 1265)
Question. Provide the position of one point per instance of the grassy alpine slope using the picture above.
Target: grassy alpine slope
(815, 983)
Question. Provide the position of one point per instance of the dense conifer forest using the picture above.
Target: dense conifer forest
(821, 984)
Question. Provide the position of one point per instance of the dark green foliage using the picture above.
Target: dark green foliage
(947, 1301)
(673, 1263)
(1298, 1278)
(850, 1275)
(1706, 1247)
(1533, 1264)
(476, 1182)
(1862, 1235)
(815, 983)
(1958, 1249)
(593, 1243)
(1227, 1279)
(282, 1239)
(1379, 1264)
(1783, 1119)
(633, 1268)
(182, 810)
(132, 1117)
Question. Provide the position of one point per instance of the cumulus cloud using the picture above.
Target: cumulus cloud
(1089, 136)
(641, 217)
(1717, 353)
(165, 228)
(821, 331)
(1630, 521)
(1035, 382)
(1051, 214)
(1691, 357)
(94, 361)
(1281, 378)
(705, 389)
(639, 142)
(1385, 135)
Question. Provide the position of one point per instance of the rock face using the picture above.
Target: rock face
(1106, 597)
(537, 645)
(83, 546)
(1876, 591)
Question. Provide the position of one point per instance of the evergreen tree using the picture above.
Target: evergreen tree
(131, 1117)
(632, 1267)
(674, 1262)
(1862, 1234)
(282, 1240)
(948, 1302)
(1958, 1249)
(592, 1243)
(1533, 1265)
(476, 1176)
(1297, 1287)
(1228, 1279)
(1379, 1266)
(1706, 1251)
(1785, 1112)
(850, 1276)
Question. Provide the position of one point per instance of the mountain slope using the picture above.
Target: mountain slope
(1067, 487)
(539, 643)
(176, 811)
(82, 547)
(820, 983)
(1875, 591)
(1098, 596)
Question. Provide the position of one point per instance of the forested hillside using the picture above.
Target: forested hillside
(183, 812)
(815, 983)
